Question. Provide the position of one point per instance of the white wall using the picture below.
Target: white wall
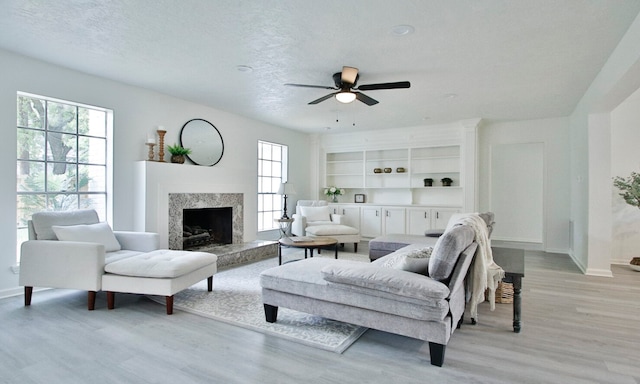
(625, 158)
(136, 111)
(553, 134)
(590, 128)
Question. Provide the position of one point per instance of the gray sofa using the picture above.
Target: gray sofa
(392, 294)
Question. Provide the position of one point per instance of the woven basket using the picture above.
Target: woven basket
(504, 293)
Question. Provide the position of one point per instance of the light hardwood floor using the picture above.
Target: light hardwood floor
(576, 329)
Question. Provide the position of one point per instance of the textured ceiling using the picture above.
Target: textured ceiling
(502, 60)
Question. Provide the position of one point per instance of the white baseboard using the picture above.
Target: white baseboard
(11, 292)
(599, 272)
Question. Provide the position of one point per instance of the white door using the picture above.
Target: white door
(517, 178)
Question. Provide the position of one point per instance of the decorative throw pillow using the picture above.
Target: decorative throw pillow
(447, 250)
(100, 233)
(416, 261)
(316, 213)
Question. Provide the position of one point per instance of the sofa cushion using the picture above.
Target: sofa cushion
(316, 213)
(100, 233)
(162, 263)
(400, 283)
(331, 229)
(447, 249)
(43, 221)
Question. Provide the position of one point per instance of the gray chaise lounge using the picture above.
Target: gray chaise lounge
(381, 297)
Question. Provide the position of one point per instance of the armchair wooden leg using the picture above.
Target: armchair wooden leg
(210, 283)
(28, 292)
(91, 300)
(111, 300)
(169, 300)
(355, 247)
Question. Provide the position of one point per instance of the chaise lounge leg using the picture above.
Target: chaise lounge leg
(91, 300)
(111, 300)
(28, 292)
(270, 313)
(169, 300)
(437, 353)
(210, 283)
(355, 247)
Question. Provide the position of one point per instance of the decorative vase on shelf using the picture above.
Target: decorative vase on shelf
(334, 199)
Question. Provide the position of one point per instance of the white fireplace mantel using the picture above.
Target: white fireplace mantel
(155, 181)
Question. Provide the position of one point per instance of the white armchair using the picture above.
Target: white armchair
(74, 256)
(312, 212)
(313, 218)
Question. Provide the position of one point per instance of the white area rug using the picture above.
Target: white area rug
(236, 299)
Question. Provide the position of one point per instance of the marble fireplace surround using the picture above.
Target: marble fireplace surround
(180, 201)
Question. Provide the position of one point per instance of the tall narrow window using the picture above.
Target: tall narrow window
(272, 170)
(62, 158)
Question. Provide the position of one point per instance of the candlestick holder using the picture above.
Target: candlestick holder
(161, 134)
(151, 154)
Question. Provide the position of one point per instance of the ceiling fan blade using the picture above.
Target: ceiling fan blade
(310, 86)
(349, 75)
(365, 99)
(396, 85)
(323, 98)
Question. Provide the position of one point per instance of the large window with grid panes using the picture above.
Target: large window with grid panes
(63, 158)
(272, 171)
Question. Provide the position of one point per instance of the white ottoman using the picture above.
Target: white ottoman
(342, 233)
(162, 272)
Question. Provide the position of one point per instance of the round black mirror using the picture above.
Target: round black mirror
(204, 141)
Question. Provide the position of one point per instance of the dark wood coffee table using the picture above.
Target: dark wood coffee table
(309, 244)
(512, 261)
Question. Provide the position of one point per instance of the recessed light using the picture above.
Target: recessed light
(450, 96)
(244, 68)
(402, 30)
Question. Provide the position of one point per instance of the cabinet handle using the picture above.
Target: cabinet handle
(376, 213)
(387, 213)
(343, 212)
(425, 215)
(437, 215)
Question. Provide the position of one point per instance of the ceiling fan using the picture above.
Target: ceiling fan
(345, 85)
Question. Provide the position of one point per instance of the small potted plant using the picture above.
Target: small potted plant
(428, 182)
(446, 182)
(178, 153)
(630, 191)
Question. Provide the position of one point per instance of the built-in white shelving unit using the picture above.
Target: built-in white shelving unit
(402, 170)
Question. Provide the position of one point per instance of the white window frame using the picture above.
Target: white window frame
(272, 171)
(106, 212)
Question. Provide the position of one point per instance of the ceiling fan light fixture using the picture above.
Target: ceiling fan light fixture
(345, 97)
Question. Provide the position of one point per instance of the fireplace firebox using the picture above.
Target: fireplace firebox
(203, 227)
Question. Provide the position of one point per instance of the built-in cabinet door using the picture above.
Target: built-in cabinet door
(440, 217)
(418, 220)
(394, 220)
(371, 222)
(350, 214)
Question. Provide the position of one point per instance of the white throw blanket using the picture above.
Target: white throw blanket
(485, 273)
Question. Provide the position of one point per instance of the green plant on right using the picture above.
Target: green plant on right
(177, 149)
(629, 188)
